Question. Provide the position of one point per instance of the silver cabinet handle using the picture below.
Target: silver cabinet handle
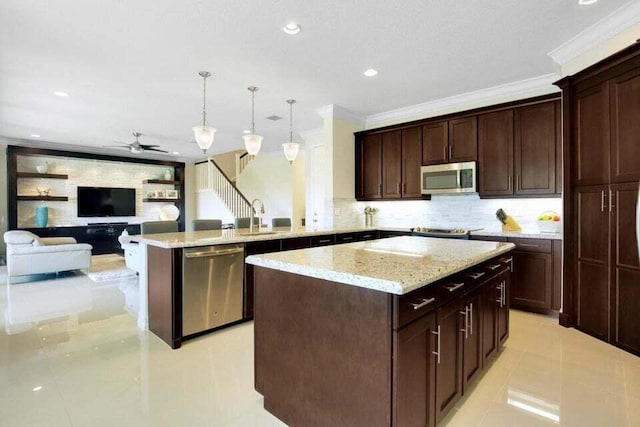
(455, 286)
(449, 151)
(477, 275)
(347, 238)
(213, 254)
(500, 300)
(509, 183)
(518, 186)
(471, 318)
(425, 302)
(465, 313)
(445, 153)
(493, 267)
(324, 241)
(437, 353)
(602, 196)
(527, 245)
(611, 205)
(504, 292)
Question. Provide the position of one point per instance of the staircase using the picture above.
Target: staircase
(209, 177)
(242, 160)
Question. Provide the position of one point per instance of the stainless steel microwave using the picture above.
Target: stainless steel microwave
(448, 178)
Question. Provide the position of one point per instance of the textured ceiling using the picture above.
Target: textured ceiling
(133, 65)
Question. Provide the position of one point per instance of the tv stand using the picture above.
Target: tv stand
(102, 236)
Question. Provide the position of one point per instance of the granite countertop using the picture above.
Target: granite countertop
(395, 265)
(526, 234)
(187, 239)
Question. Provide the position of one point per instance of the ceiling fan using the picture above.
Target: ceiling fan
(135, 147)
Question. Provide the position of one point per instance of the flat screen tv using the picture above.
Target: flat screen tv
(105, 201)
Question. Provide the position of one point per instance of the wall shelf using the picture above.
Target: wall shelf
(41, 175)
(161, 181)
(44, 198)
(161, 200)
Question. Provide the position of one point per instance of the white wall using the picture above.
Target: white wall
(298, 189)
(209, 206)
(269, 177)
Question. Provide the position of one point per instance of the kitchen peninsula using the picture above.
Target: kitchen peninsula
(379, 333)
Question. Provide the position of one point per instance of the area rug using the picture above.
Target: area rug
(109, 267)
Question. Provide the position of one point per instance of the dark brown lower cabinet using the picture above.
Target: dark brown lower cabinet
(503, 290)
(489, 317)
(533, 275)
(450, 326)
(415, 373)
(472, 343)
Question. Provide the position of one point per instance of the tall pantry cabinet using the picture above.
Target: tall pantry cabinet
(601, 152)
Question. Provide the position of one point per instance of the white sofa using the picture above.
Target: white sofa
(30, 254)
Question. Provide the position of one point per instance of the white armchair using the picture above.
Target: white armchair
(30, 254)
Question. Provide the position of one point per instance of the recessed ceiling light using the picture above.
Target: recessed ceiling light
(586, 2)
(291, 28)
(371, 72)
(35, 135)
(37, 388)
(175, 153)
(60, 93)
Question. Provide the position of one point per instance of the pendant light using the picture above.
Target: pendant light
(252, 142)
(291, 148)
(204, 134)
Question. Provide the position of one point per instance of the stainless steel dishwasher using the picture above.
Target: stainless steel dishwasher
(212, 281)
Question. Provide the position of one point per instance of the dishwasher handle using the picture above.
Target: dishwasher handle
(208, 254)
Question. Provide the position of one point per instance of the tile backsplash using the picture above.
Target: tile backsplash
(89, 173)
(463, 211)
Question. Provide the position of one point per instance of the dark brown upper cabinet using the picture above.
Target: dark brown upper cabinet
(411, 162)
(495, 146)
(517, 151)
(535, 148)
(625, 127)
(463, 140)
(371, 167)
(392, 165)
(592, 135)
(435, 143)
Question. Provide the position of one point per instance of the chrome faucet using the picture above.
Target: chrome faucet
(255, 212)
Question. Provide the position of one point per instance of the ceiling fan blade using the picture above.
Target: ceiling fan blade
(116, 146)
(155, 149)
(145, 146)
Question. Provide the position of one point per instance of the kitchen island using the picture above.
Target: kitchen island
(379, 333)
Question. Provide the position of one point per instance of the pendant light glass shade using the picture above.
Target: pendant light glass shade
(203, 133)
(291, 148)
(252, 141)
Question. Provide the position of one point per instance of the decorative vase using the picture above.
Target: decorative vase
(42, 216)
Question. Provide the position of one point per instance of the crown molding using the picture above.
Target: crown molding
(612, 24)
(333, 110)
(540, 85)
(312, 134)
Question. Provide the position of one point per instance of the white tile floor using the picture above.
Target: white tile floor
(71, 355)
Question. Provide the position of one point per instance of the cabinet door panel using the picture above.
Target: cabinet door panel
(489, 321)
(591, 294)
(391, 164)
(495, 145)
(532, 276)
(463, 140)
(472, 360)
(449, 370)
(559, 164)
(503, 310)
(411, 162)
(371, 173)
(591, 128)
(626, 268)
(414, 373)
(535, 149)
(435, 140)
(625, 127)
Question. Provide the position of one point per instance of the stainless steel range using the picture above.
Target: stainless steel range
(448, 233)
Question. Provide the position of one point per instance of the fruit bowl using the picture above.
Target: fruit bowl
(549, 222)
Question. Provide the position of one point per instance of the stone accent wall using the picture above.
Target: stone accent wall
(86, 173)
